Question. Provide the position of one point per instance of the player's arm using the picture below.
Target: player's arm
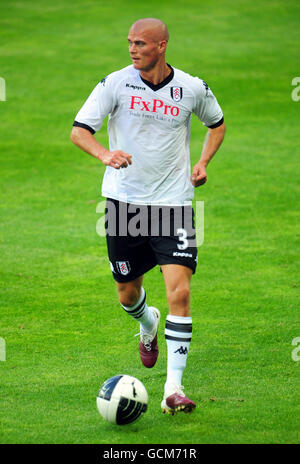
(212, 142)
(85, 140)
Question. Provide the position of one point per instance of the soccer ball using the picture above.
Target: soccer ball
(122, 399)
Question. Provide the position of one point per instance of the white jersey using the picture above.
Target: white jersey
(151, 123)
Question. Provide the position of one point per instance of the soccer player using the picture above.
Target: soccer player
(149, 104)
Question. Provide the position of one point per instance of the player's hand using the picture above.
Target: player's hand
(199, 176)
(116, 159)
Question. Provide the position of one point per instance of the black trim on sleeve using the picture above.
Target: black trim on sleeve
(84, 126)
(219, 123)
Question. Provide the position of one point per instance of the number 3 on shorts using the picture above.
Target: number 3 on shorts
(183, 239)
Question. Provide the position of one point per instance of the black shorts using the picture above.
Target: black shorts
(139, 237)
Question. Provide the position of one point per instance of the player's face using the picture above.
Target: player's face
(143, 50)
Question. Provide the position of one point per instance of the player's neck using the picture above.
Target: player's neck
(158, 74)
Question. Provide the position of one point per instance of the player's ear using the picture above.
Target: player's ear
(163, 45)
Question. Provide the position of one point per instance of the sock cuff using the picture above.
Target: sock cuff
(179, 319)
(139, 304)
(178, 328)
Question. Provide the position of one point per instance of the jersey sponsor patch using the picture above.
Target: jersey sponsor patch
(123, 267)
(176, 93)
(153, 106)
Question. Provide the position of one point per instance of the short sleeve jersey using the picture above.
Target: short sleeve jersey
(151, 123)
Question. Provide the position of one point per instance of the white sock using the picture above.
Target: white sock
(141, 313)
(178, 334)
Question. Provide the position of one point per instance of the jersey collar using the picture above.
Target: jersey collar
(166, 81)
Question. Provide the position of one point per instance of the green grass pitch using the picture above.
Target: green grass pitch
(59, 316)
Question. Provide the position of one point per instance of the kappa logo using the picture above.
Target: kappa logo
(176, 93)
(135, 87)
(103, 81)
(184, 255)
(206, 87)
(123, 267)
(181, 350)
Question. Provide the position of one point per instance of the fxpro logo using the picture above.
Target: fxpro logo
(152, 106)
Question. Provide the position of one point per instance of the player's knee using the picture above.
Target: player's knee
(180, 296)
(128, 296)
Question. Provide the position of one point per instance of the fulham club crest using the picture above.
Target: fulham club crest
(123, 267)
(176, 93)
